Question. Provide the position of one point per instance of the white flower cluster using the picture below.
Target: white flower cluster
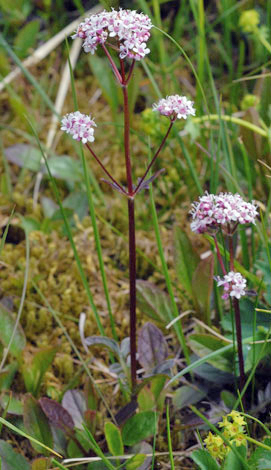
(234, 285)
(131, 30)
(213, 211)
(175, 107)
(79, 126)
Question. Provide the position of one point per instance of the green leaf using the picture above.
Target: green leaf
(202, 285)
(36, 424)
(10, 459)
(113, 439)
(204, 460)
(15, 406)
(7, 323)
(232, 461)
(33, 373)
(24, 155)
(7, 375)
(26, 38)
(247, 310)
(106, 80)
(203, 344)
(139, 427)
(228, 398)
(186, 395)
(78, 202)
(153, 302)
(261, 458)
(135, 462)
(103, 341)
(65, 168)
(40, 464)
(185, 259)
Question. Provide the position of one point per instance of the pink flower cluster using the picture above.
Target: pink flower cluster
(213, 211)
(129, 28)
(175, 107)
(234, 285)
(79, 126)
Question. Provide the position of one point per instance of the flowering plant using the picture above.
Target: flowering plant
(129, 32)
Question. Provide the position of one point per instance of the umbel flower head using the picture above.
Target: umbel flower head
(130, 29)
(234, 285)
(79, 126)
(175, 107)
(213, 211)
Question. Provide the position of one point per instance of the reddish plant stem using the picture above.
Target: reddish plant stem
(130, 72)
(154, 158)
(239, 343)
(237, 316)
(104, 169)
(132, 272)
(113, 65)
(132, 238)
(219, 257)
(231, 250)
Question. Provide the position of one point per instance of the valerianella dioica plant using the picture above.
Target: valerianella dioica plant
(125, 33)
(223, 213)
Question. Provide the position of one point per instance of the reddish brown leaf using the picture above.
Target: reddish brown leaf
(56, 414)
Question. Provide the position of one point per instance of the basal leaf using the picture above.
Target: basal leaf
(56, 413)
(203, 344)
(103, 341)
(36, 424)
(202, 285)
(26, 38)
(152, 346)
(113, 439)
(139, 427)
(74, 402)
(10, 459)
(33, 372)
(204, 460)
(135, 462)
(186, 395)
(185, 259)
(24, 155)
(7, 323)
(153, 302)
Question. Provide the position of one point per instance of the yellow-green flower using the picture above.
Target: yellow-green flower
(249, 21)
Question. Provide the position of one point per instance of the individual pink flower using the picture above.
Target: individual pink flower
(79, 126)
(175, 107)
(234, 285)
(130, 29)
(211, 212)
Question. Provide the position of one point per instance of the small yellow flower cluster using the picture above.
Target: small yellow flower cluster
(249, 21)
(234, 431)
